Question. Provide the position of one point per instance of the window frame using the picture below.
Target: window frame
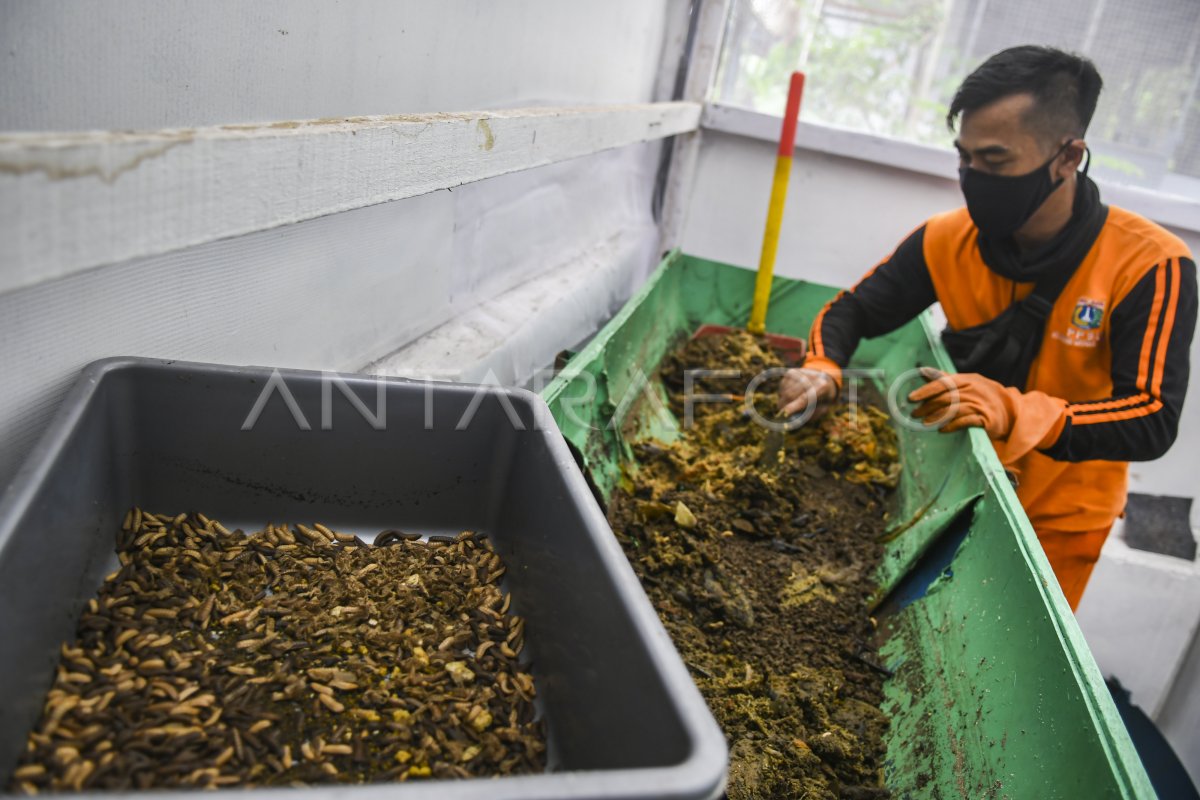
(1175, 211)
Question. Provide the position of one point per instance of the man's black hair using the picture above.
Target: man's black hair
(1064, 86)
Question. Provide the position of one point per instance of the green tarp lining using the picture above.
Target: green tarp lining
(995, 693)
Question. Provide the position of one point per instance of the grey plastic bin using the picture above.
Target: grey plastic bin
(623, 717)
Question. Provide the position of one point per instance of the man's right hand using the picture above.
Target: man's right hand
(814, 382)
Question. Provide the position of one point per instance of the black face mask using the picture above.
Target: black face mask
(1000, 204)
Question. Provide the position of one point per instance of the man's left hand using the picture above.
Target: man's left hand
(1017, 422)
(968, 400)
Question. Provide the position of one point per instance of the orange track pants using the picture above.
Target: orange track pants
(1072, 555)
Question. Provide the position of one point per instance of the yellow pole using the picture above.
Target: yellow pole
(770, 245)
(779, 187)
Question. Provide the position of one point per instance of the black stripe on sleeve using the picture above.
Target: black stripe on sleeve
(1144, 436)
(896, 291)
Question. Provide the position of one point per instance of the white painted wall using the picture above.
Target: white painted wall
(1140, 613)
(842, 215)
(1180, 717)
(146, 64)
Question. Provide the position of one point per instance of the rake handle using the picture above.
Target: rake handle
(779, 187)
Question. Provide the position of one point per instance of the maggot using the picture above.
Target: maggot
(331, 704)
(197, 614)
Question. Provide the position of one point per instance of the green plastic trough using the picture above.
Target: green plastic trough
(995, 693)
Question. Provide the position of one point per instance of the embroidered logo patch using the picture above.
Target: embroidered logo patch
(1088, 314)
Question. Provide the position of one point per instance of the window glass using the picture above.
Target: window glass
(890, 67)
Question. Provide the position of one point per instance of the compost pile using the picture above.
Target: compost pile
(760, 565)
(292, 656)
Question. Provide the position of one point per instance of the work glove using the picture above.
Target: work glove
(1015, 421)
(819, 379)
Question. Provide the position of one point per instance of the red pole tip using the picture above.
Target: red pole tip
(787, 137)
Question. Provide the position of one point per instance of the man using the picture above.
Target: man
(1070, 381)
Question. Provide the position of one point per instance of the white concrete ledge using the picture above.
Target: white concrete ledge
(1165, 209)
(70, 202)
(511, 339)
(1139, 614)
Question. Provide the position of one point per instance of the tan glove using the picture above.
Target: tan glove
(819, 379)
(1016, 421)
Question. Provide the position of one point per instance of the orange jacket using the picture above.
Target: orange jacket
(1115, 346)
